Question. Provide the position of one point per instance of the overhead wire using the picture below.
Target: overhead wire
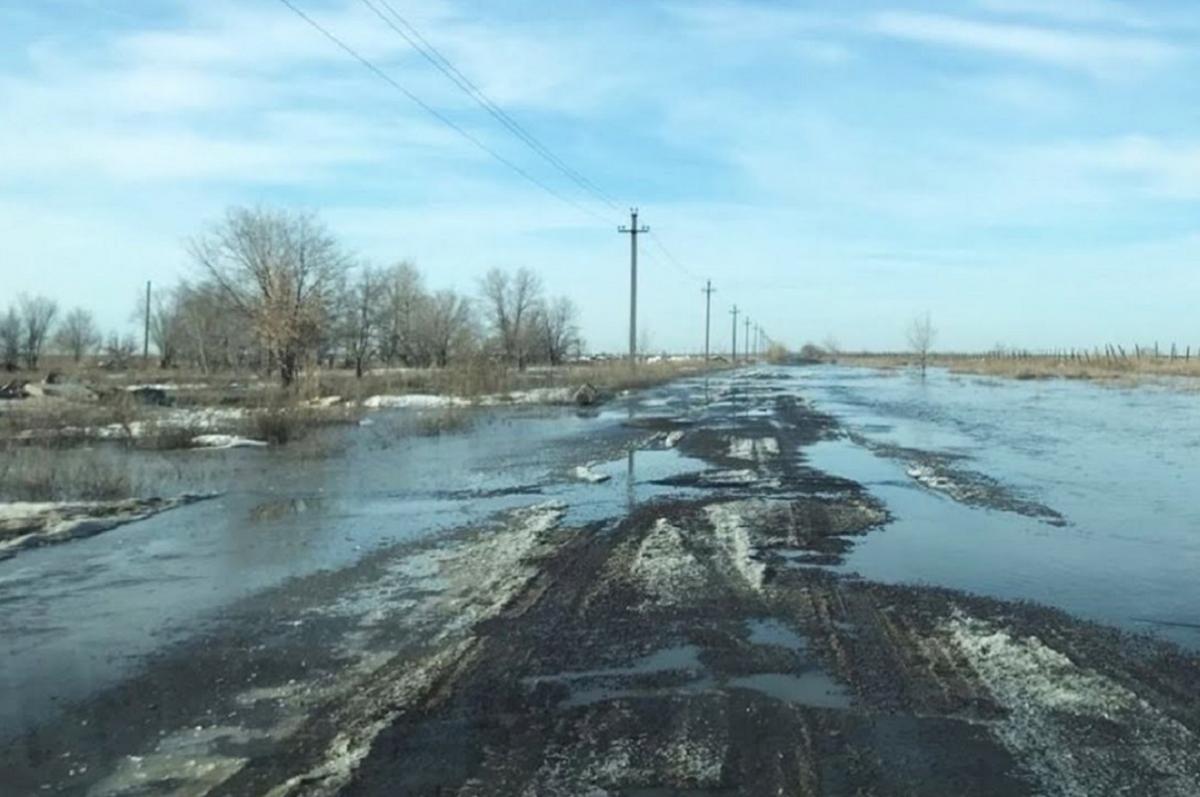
(418, 42)
(435, 113)
(670, 258)
(430, 53)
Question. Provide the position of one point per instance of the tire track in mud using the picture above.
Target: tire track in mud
(682, 652)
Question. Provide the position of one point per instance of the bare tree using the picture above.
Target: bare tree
(280, 269)
(446, 326)
(211, 335)
(78, 335)
(359, 315)
(401, 299)
(509, 301)
(167, 330)
(37, 318)
(10, 339)
(920, 339)
(119, 351)
(557, 327)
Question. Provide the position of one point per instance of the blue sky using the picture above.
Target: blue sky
(1026, 171)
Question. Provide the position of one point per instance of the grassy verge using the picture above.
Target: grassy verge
(103, 409)
(477, 379)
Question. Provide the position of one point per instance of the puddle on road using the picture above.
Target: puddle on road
(773, 632)
(643, 678)
(813, 688)
(633, 479)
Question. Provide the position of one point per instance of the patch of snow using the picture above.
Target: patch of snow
(226, 441)
(414, 401)
(673, 438)
(26, 524)
(927, 477)
(663, 566)
(753, 449)
(537, 395)
(740, 476)
(1045, 694)
(733, 536)
(584, 473)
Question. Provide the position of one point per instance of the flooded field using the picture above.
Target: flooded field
(1117, 463)
(782, 580)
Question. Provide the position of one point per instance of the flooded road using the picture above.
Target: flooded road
(1119, 464)
(749, 584)
(78, 616)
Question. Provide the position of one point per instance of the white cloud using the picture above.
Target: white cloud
(1154, 167)
(745, 29)
(1071, 11)
(1103, 55)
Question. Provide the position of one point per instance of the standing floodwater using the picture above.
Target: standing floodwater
(1119, 463)
(755, 584)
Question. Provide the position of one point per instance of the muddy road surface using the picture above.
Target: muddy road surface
(668, 608)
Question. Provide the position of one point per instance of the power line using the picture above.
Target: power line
(431, 54)
(438, 114)
(674, 261)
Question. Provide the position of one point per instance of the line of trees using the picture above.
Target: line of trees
(275, 290)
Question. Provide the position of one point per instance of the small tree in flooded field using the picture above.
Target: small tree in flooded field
(920, 339)
(281, 270)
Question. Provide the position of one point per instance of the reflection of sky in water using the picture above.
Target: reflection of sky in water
(1119, 463)
(77, 615)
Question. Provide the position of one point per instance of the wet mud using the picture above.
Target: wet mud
(949, 475)
(695, 644)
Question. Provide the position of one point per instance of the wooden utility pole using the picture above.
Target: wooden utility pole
(633, 230)
(734, 313)
(746, 344)
(146, 330)
(708, 291)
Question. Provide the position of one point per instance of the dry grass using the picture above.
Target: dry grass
(480, 377)
(40, 474)
(282, 416)
(1124, 369)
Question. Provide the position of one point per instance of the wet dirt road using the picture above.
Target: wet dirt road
(685, 627)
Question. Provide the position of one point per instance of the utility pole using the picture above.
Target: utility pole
(746, 344)
(633, 230)
(708, 291)
(146, 330)
(734, 313)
